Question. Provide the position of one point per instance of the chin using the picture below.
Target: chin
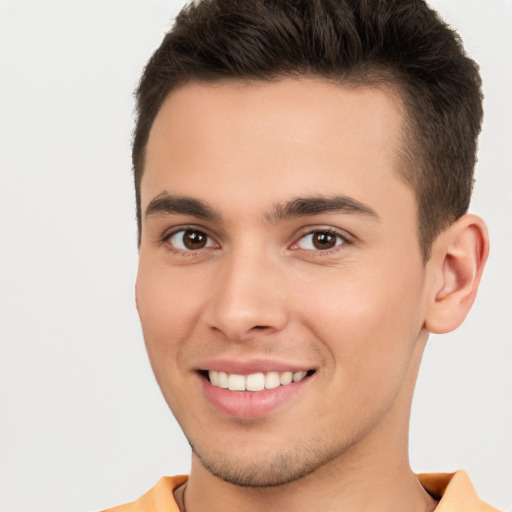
(276, 469)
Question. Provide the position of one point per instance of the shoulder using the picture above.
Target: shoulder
(455, 492)
(159, 498)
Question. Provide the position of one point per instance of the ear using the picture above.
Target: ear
(457, 262)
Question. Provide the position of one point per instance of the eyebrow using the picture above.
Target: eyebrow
(168, 204)
(317, 205)
(165, 203)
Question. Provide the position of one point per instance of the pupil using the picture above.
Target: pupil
(324, 240)
(194, 240)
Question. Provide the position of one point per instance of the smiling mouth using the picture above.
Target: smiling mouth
(254, 381)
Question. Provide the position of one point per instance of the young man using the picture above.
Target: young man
(303, 172)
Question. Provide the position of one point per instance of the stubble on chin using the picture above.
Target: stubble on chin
(271, 470)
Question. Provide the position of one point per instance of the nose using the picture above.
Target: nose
(248, 297)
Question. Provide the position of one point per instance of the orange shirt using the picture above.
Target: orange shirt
(455, 491)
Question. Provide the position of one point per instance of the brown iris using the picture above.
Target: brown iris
(323, 240)
(194, 240)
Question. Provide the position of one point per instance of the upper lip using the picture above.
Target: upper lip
(248, 366)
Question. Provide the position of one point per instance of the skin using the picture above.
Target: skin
(358, 313)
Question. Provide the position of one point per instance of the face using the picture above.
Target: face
(281, 287)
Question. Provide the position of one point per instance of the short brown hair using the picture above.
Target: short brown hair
(398, 43)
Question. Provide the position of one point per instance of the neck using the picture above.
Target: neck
(376, 477)
(336, 487)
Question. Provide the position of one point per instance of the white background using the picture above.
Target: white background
(83, 425)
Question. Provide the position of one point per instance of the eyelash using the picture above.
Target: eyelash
(341, 240)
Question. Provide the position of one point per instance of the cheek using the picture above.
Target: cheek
(169, 307)
(168, 302)
(368, 317)
(369, 327)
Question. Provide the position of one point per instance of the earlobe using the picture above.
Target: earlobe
(458, 259)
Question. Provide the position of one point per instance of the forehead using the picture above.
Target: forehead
(243, 141)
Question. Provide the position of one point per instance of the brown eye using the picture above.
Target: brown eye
(190, 240)
(194, 240)
(324, 240)
(320, 241)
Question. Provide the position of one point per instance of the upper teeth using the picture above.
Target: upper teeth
(253, 381)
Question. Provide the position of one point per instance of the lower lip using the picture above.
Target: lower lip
(250, 404)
